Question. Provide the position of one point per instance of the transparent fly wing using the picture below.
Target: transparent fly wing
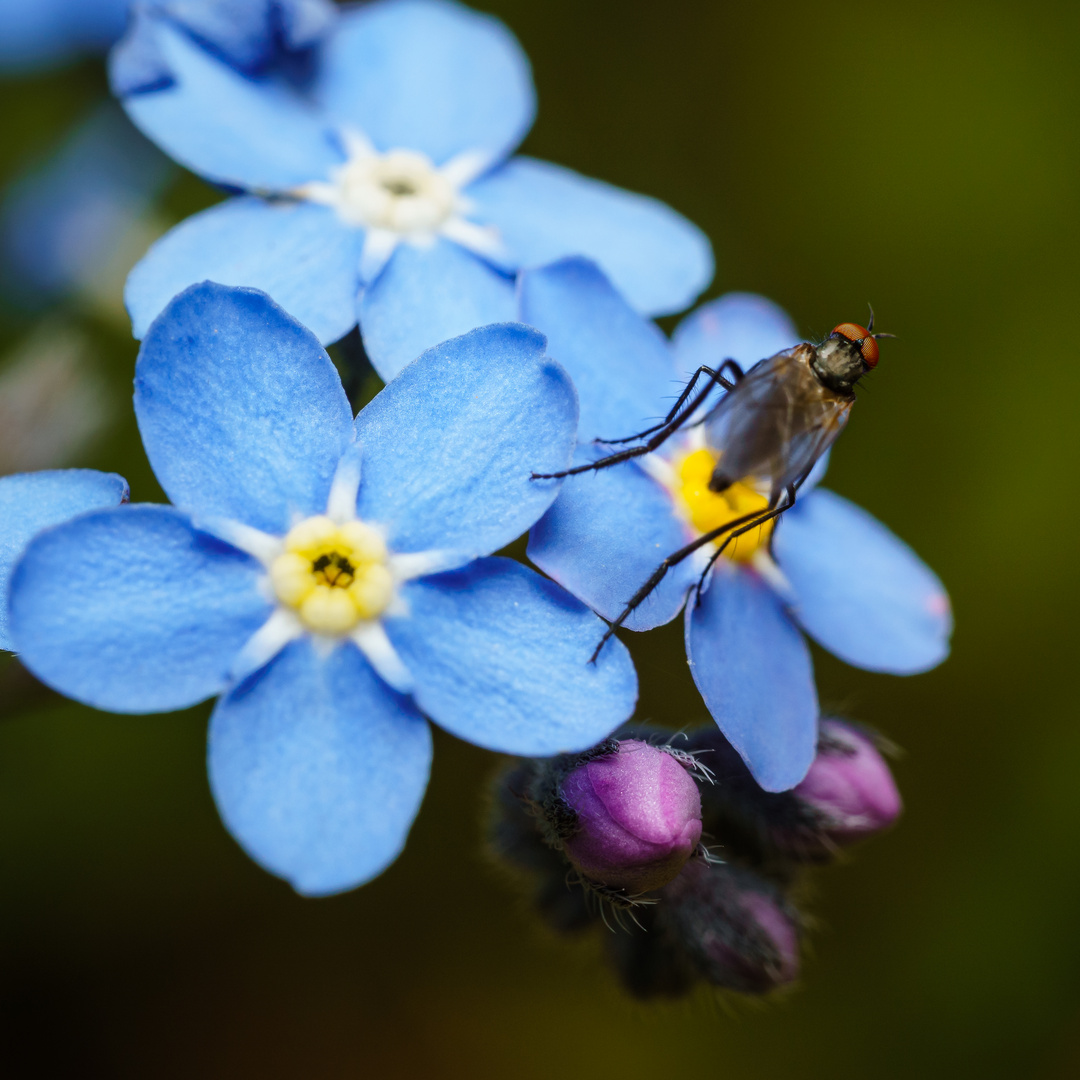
(776, 422)
(804, 450)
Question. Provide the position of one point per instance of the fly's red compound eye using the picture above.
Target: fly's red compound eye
(862, 337)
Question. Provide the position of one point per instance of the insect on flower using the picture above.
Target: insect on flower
(768, 431)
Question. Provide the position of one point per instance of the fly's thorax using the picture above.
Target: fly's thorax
(838, 363)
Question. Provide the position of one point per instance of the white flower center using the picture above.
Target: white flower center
(400, 191)
(401, 195)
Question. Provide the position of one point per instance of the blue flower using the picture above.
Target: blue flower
(63, 224)
(329, 579)
(384, 193)
(31, 502)
(38, 33)
(833, 572)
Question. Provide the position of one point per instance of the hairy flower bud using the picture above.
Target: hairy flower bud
(849, 785)
(848, 794)
(735, 927)
(637, 817)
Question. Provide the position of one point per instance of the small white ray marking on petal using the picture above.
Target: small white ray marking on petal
(379, 245)
(341, 505)
(282, 627)
(414, 564)
(479, 239)
(659, 468)
(370, 638)
(772, 575)
(355, 143)
(324, 644)
(465, 167)
(317, 191)
(398, 608)
(252, 541)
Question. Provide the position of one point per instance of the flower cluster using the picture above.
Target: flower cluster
(677, 846)
(331, 578)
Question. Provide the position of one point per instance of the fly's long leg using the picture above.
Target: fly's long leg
(766, 515)
(663, 433)
(717, 378)
(658, 574)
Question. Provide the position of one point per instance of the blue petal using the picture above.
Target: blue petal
(501, 658)
(449, 445)
(654, 256)
(817, 474)
(859, 590)
(427, 295)
(30, 502)
(241, 411)
(318, 769)
(62, 222)
(261, 136)
(430, 76)
(620, 363)
(605, 534)
(738, 326)
(132, 611)
(753, 669)
(254, 36)
(299, 253)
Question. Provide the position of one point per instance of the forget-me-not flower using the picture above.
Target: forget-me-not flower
(31, 502)
(329, 580)
(833, 570)
(383, 192)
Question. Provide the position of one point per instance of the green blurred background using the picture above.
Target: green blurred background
(923, 156)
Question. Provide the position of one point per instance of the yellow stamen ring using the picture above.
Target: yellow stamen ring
(334, 576)
(706, 510)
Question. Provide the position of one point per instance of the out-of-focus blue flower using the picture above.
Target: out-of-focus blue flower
(329, 579)
(62, 224)
(833, 570)
(30, 502)
(42, 33)
(384, 193)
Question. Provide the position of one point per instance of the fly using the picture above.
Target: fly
(772, 426)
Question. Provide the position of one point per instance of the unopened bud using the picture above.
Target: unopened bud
(636, 817)
(735, 927)
(848, 794)
(849, 785)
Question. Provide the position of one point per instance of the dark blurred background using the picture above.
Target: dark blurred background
(923, 156)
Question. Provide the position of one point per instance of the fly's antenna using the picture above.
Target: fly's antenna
(870, 325)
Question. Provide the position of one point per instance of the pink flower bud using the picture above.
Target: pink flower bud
(638, 816)
(849, 785)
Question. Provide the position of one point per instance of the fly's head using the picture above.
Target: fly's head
(846, 355)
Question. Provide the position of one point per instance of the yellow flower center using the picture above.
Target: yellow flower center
(707, 510)
(334, 576)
